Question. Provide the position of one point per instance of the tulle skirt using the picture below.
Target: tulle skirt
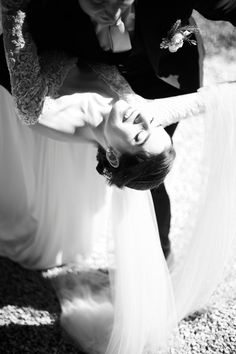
(52, 201)
(55, 209)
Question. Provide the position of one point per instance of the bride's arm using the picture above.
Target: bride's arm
(26, 80)
(36, 81)
(32, 78)
(75, 117)
(166, 111)
(32, 86)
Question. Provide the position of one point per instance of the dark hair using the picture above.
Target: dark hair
(137, 171)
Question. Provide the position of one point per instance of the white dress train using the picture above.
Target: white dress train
(55, 209)
(212, 229)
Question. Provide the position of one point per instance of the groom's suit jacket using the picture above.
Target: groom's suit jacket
(62, 25)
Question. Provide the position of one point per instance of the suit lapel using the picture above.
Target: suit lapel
(154, 18)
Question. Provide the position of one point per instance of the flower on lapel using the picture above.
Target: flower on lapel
(177, 35)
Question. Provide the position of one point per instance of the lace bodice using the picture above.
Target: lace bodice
(34, 79)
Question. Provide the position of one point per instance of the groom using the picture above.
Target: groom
(146, 40)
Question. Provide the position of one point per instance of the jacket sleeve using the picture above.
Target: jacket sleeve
(222, 10)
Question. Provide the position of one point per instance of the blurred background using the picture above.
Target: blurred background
(220, 45)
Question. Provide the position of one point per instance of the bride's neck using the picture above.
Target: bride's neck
(97, 135)
(92, 98)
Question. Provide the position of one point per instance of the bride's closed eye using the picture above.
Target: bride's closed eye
(141, 137)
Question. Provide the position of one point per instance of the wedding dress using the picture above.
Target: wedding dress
(55, 209)
(47, 221)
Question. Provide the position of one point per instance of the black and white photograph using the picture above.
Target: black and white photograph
(117, 177)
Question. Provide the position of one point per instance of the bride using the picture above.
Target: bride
(56, 210)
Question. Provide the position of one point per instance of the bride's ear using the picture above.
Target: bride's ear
(112, 157)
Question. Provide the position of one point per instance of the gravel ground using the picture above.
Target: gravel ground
(29, 309)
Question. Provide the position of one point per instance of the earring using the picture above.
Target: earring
(112, 157)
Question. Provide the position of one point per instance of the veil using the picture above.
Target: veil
(211, 229)
(144, 314)
(148, 298)
(172, 295)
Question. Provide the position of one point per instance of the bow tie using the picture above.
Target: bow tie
(115, 36)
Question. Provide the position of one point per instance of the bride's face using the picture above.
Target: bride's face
(104, 11)
(128, 131)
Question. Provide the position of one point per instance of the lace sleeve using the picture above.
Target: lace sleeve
(33, 79)
(171, 110)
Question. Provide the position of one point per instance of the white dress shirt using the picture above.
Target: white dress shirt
(116, 37)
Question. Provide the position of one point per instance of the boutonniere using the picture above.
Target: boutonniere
(177, 35)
